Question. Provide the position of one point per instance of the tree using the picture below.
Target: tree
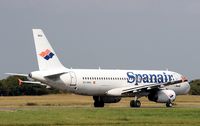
(10, 87)
(195, 87)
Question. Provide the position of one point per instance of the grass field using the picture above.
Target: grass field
(78, 110)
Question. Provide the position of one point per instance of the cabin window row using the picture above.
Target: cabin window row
(104, 78)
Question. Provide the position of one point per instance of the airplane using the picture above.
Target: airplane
(105, 85)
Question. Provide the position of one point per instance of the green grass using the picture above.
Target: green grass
(61, 110)
(106, 116)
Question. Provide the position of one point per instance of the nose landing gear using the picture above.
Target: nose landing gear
(169, 104)
(135, 103)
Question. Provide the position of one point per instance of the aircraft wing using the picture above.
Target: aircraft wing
(136, 89)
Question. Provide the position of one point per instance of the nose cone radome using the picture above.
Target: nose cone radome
(186, 86)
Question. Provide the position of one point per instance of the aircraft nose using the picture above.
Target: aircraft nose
(186, 87)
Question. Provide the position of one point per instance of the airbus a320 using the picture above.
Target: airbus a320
(105, 86)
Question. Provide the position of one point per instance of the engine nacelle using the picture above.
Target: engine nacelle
(162, 96)
(110, 99)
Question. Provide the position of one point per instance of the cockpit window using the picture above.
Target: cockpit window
(184, 79)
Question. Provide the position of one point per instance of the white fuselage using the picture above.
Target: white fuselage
(97, 82)
(106, 86)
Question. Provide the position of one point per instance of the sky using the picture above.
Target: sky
(111, 34)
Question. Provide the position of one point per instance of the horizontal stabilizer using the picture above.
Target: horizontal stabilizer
(17, 74)
(55, 72)
(32, 82)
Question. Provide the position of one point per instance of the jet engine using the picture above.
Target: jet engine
(162, 96)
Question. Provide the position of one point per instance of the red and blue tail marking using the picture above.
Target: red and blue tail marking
(47, 54)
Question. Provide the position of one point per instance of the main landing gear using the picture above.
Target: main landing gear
(135, 103)
(98, 102)
(169, 104)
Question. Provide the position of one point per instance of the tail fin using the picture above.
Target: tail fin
(46, 56)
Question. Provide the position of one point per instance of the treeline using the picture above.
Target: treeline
(10, 87)
(195, 87)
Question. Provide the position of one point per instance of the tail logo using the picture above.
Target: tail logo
(47, 54)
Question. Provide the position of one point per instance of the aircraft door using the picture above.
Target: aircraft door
(73, 79)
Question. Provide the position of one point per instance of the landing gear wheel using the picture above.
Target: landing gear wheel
(169, 104)
(98, 102)
(135, 104)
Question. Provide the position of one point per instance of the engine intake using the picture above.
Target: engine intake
(162, 96)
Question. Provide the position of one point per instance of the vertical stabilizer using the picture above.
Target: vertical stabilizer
(46, 56)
